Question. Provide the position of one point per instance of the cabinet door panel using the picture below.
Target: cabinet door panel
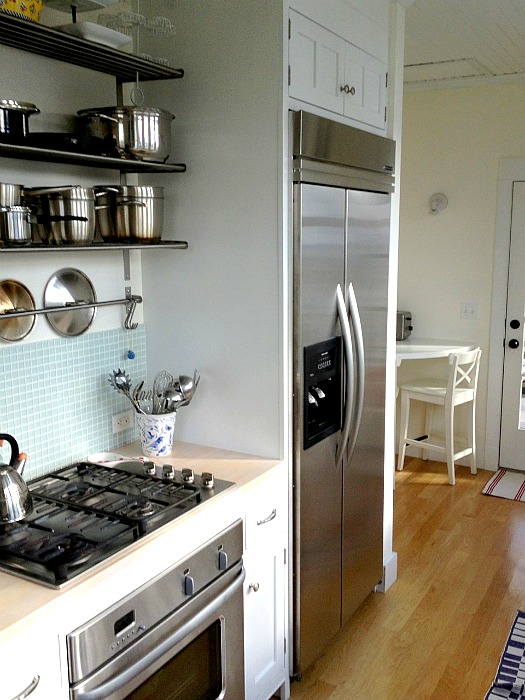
(316, 64)
(265, 588)
(367, 76)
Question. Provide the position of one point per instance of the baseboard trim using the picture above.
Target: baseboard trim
(389, 574)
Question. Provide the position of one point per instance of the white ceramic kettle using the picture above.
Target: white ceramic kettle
(15, 498)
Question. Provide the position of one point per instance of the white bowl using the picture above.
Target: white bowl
(97, 34)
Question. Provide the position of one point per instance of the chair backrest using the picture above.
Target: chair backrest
(464, 371)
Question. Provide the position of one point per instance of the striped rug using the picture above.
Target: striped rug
(506, 484)
(510, 678)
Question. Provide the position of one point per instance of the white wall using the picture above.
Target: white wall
(453, 141)
(218, 306)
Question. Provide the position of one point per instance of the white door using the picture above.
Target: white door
(512, 447)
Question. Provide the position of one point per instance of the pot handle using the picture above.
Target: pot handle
(101, 116)
(65, 218)
(14, 448)
(131, 201)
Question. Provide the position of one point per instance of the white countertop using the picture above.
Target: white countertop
(429, 348)
(24, 602)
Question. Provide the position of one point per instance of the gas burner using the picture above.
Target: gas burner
(13, 534)
(79, 491)
(139, 508)
(84, 513)
(59, 549)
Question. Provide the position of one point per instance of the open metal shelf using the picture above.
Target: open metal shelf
(51, 155)
(46, 248)
(35, 38)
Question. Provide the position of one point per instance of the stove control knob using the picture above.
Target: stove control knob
(207, 480)
(149, 468)
(223, 560)
(188, 583)
(188, 476)
(168, 472)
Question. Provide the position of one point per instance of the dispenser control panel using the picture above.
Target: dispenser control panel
(322, 391)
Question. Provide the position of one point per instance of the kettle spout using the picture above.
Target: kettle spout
(20, 463)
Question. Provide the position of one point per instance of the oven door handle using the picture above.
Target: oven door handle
(111, 686)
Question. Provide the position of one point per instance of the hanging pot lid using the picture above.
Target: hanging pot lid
(15, 295)
(66, 288)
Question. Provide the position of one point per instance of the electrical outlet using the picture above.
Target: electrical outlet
(122, 421)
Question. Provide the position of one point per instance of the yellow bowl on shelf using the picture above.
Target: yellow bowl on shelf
(28, 9)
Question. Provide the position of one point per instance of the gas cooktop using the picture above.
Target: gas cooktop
(84, 513)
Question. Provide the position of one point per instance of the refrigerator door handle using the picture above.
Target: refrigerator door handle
(349, 374)
(359, 369)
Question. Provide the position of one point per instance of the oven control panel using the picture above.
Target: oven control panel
(114, 630)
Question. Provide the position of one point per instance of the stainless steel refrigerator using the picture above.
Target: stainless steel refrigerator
(342, 184)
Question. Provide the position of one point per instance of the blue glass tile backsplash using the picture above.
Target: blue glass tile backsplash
(55, 398)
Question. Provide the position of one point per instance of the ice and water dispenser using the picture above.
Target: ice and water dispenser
(322, 391)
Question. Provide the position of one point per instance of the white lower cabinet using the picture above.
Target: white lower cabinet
(31, 664)
(265, 588)
(331, 73)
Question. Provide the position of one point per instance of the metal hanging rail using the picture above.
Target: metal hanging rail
(130, 302)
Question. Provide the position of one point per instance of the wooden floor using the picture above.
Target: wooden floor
(439, 631)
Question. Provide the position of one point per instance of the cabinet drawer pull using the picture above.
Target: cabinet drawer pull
(254, 587)
(25, 693)
(346, 88)
(272, 515)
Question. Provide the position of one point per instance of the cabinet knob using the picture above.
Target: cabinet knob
(514, 343)
(254, 587)
(346, 88)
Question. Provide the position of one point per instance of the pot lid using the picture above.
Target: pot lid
(66, 288)
(15, 295)
(125, 109)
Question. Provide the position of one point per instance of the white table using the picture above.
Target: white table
(428, 348)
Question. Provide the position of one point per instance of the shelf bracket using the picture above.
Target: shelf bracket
(127, 269)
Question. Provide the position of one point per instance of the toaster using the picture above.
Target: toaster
(404, 325)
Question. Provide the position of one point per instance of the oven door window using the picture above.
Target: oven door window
(195, 673)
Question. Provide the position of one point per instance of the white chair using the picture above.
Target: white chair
(460, 388)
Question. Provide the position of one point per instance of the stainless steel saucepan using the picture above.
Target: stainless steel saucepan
(127, 132)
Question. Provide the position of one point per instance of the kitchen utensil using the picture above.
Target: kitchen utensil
(128, 131)
(14, 120)
(188, 385)
(10, 194)
(67, 213)
(15, 225)
(15, 296)
(66, 288)
(53, 140)
(161, 382)
(15, 500)
(121, 381)
(137, 390)
(129, 212)
(172, 398)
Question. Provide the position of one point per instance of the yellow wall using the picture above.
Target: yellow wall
(453, 141)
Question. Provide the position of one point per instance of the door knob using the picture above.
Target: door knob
(514, 343)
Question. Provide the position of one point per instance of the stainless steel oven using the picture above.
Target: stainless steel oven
(178, 637)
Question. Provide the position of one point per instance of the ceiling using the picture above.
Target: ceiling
(458, 43)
